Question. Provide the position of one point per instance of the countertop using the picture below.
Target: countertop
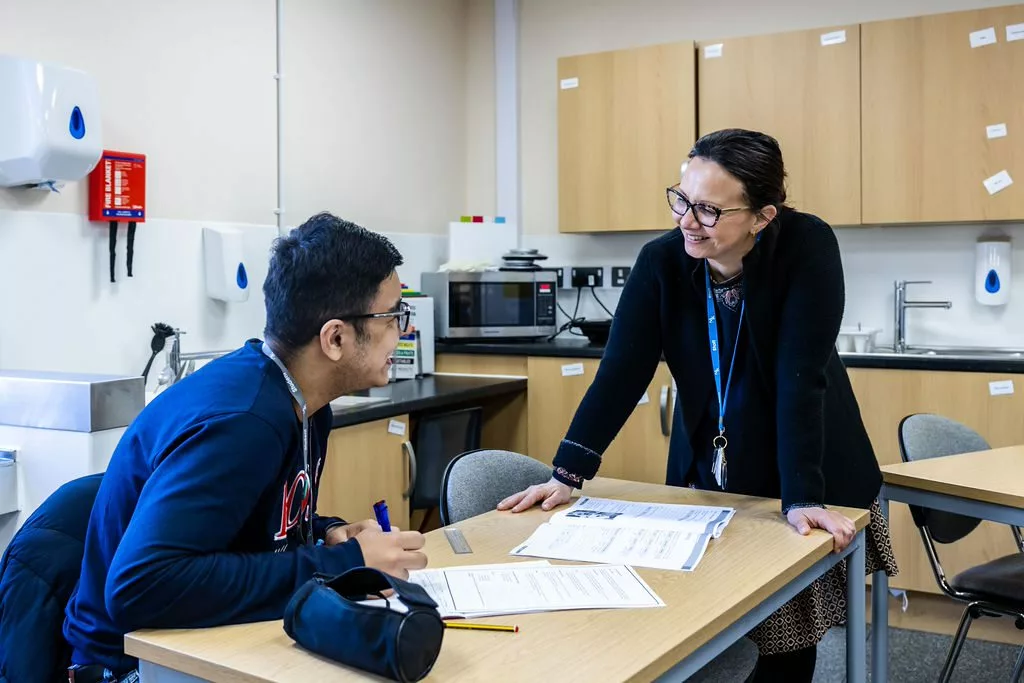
(582, 348)
(413, 395)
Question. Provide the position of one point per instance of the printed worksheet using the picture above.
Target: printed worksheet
(655, 535)
(522, 588)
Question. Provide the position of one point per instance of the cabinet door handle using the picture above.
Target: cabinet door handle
(407, 447)
(664, 411)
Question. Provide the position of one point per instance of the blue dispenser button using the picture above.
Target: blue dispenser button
(77, 124)
(992, 282)
(241, 278)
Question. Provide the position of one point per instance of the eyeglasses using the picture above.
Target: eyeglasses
(705, 214)
(402, 315)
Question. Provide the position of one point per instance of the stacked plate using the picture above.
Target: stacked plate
(522, 259)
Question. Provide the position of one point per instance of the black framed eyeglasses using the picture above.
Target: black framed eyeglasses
(402, 315)
(705, 214)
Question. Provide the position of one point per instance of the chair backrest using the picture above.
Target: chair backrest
(923, 436)
(437, 439)
(38, 574)
(475, 482)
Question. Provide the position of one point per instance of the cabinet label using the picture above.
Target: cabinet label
(833, 38)
(1014, 32)
(712, 51)
(1001, 388)
(569, 83)
(986, 36)
(1000, 181)
(572, 370)
(644, 399)
(396, 427)
(996, 130)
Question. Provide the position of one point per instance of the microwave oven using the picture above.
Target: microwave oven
(493, 304)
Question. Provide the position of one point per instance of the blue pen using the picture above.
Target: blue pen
(380, 511)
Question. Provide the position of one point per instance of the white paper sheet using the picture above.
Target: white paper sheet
(655, 535)
(524, 587)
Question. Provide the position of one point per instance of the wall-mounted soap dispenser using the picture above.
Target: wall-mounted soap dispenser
(226, 275)
(992, 271)
(50, 129)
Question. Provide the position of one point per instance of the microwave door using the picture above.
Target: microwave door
(493, 309)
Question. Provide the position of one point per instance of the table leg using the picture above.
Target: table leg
(880, 615)
(856, 626)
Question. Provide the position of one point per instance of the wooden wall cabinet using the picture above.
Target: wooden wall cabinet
(927, 100)
(802, 88)
(638, 453)
(626, 121)
(366, 463)
(886, 397)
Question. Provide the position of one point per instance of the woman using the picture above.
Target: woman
(761, 284)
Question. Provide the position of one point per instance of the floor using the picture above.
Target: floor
(917, 657)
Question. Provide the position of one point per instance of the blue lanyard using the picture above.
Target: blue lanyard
(716, 363)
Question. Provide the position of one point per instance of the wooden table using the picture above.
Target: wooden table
(757, 565)
(986, 485)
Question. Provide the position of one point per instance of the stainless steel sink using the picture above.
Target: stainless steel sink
(349, 401)
(961, 352)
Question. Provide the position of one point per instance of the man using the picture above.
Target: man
(205, 514)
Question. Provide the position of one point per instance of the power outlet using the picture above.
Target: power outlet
(559, 273)
(588, 277)
(619, 275)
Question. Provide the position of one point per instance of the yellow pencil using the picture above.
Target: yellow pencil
(481, 627)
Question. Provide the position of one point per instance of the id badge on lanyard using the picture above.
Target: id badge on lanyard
(719, 467)
(293, 389)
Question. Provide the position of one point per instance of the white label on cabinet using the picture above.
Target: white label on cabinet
(396, 427)
(833, 38)
(572, 370)
(1014, 32)
(644, 399)
(712, 51)
(986, 36)
(1000, 181)
(568, 83)
(996, 130)
(1001, 388)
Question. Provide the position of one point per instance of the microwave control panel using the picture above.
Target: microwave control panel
(546, 293)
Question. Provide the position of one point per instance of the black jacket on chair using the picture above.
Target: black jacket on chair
(38, 574)
(794, 296)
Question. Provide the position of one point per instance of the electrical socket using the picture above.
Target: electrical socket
(588, 277)
(619, 275)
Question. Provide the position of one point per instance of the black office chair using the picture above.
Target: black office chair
(38, 574)
(992, 589)
(438, 438)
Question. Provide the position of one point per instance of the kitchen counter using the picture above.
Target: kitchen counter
(416, 395)
(582, 348)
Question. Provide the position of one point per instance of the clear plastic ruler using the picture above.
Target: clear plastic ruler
(457, 541)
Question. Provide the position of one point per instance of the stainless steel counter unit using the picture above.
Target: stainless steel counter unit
(69, 401)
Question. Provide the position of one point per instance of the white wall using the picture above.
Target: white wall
(873, 258)
(375, 105)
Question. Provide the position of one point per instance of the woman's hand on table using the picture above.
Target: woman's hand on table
(548, 495)
(840, 526)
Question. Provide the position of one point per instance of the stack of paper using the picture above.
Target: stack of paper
(656, 535)
(521, 588)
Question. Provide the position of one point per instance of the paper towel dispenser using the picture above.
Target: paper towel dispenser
(223, 252)
(51, 128)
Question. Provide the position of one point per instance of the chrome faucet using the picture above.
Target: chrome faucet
(180, 365)
(899, 338)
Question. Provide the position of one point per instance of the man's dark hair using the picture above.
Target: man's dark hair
(325, 268)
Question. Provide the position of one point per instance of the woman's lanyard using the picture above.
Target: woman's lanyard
(293, 389)
(719, 468)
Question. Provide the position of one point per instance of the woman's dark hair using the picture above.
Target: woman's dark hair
(753, 158)
(325, 268)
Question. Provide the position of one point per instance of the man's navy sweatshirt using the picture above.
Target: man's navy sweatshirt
(201, 518)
